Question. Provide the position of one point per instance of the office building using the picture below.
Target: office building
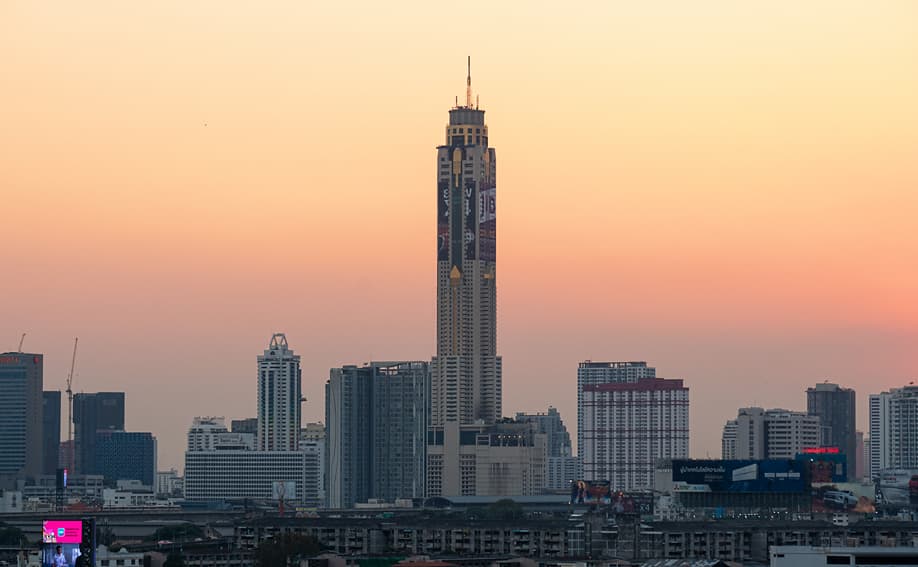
(102, 411)
(50, 430)
(279, 397)
(126, 455)
(561, 466)
(774, 434)
(728, 440)
(868, 471)
(591, 373)
(377, 418)
(245, 475)
(210, 434)
(21, 415)
(629, 426)
(894, 429)
(836, 408)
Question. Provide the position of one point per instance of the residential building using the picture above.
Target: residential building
(774, 433)
(168, 483)
(859, 453)
(126, 455)
(312, 444)
(377, 418)
(101, 411)
(836, 408)
(562, 466)
(279, 397)
(591, 373)
(21, 401)
(210, 434)
(50, 430)
(894, 429)
(629, 426)
(728, 440)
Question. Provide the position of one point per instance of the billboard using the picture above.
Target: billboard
(443, 220)
(487, 221)
(844, 497)
(784, 476)
(283, 490)
(824, 467)
(67, 543)
(590, 492)
(898, 488)
(470, 230)
(62, 531)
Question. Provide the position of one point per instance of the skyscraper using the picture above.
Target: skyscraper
(728, 440)
(20, 414)
(466, 371)
(50, 430)
(591, 373)
(101, 411)
(836, 408)
(561, 466)
(772, 434)
(894, 429)
(279, 397)
(466, 383)
(126, 455)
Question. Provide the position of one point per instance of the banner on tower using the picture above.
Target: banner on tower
(470, 233)
(443, 220)
(487, 222)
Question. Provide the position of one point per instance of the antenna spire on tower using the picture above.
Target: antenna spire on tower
(468, 85)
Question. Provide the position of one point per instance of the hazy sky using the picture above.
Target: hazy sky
(727, 190)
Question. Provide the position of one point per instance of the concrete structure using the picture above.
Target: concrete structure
(168, 483)
(591, 373)
(50, 430)
(240, 475)
(775, 433)
(210, 434)
(246, 425)
(21, 376)
(377, 418)
(312, 444)
(101, 411)
(561, 466)
(126, 455)
(805, 556)
(894, 429)
(628, 427)
(861, 456)
(728, 440)
(279, 397)
(836, 408)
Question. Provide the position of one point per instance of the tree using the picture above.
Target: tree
(279, 550)
(505, 509)
(174, 559)
(11, 536)
(178, 532)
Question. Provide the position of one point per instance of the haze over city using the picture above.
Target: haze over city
(725, 191)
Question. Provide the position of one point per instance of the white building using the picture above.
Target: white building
(210, 434)
(279, 397)
(238, 475)
(168, 483)
(628, 427)
(312, 444)
(894, 429)
(728, 440)
(803, 556)
(770, 434)
(591, 373)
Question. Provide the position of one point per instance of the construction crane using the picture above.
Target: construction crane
(20, 342)
(70, 405)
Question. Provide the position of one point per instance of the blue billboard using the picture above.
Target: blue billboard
(785, 476)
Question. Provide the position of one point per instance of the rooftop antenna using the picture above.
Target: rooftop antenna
(468, 86)
(70, 405)
(20, 343)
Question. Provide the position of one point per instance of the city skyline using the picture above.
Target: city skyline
(744, 227)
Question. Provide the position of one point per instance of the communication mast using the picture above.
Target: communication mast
(20, 342)
(70, 404)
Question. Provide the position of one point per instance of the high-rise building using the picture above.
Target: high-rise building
(728, 440)
(279, 397)
(312, 444)
(377, 419)
(245, 475)
(247, 425)
(126, 455)
(21, 414)
(466, 371)
(894, 429)
(859, 460)
(101, 411)
(561, 466)
(629, 426)
(591, 373)
(774, 433)
(836, 408)
(50, 430)
(210, 434)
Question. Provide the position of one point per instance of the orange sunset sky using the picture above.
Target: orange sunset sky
(728, 190)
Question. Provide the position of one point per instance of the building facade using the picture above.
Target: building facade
(894, 429)
(50, 430)
(377, 419)
(312, 444)
(562, 467)
(241, 475)
(591, 373)
(21, 376)
(101, 411)
(126, 455)
(836, 408)
(628, 427)
(210, 434)
(771, 434)
(279, 397)
(728, 440)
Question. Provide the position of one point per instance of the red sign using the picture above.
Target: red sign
(9, 360)
(820, 451)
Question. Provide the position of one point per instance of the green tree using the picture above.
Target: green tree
(277, 551)
(178, 532)
(174, 559)
(11, 536)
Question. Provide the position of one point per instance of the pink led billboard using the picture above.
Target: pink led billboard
(61, 531)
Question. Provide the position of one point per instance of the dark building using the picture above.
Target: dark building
(20, 414)
(248, 425)
(376, 432)
(102, 411)
(50, 430)
(126, 455)
(835, 407)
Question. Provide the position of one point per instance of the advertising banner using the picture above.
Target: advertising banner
(738, 476)
(487, 222)
(470, 207)
(443, 221)
(62, 531)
